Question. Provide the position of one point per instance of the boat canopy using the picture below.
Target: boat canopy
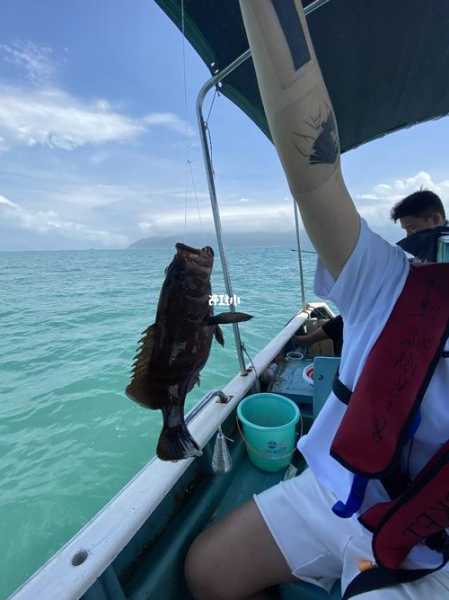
(385, 63)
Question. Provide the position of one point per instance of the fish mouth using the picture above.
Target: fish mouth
(198, 251)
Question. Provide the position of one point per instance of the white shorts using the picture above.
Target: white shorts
(321, 548)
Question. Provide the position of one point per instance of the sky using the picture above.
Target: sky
(99, 146)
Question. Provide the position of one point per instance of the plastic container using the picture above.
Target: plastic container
(443, 249)
(269, 429)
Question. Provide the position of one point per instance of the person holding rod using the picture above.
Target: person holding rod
(343, 517)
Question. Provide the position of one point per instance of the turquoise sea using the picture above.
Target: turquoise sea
(70, 322)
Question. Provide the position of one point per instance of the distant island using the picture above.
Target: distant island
(231, 240)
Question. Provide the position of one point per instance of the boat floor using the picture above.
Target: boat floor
(161, 565)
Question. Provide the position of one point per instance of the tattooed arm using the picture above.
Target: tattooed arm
(302, 124)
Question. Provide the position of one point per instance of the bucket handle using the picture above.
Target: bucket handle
(262, 454)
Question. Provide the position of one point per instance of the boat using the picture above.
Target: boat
(135, 547)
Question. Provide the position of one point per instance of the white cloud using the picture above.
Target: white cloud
(56, 119)
(53, 118)
(170, 121)
(376, 204)
(48, 221)
(43, 114)
(5, 202)
(87, 196)
(235, 219)
(37, 61)
(400, 188)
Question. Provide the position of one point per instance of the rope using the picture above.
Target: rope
(184, 68)
(184, 54)
(250, 361)
(194, 192)
(206, 123)
(211, 106)
(210, 148)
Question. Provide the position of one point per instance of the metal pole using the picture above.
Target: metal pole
(315, 6)
(213, 194)
(211, 182)
(298, 243)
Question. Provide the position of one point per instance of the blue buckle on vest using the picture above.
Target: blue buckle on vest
(414, 425)
(355, 498)
(359, 484)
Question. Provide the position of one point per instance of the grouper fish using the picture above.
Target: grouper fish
(175, 348)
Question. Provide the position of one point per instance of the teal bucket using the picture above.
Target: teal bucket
(269, 429)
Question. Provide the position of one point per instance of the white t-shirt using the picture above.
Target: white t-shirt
(365, 293)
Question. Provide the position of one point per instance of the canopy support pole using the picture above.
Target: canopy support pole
(202, 125)
(298, 243)
(213, 194)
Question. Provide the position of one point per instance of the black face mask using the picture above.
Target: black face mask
(424, 244)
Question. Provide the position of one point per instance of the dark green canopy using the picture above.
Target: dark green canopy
(385, 62)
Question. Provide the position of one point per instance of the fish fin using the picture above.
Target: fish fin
(176, 443)
(228, 317)
(136, 389)
(219, 335)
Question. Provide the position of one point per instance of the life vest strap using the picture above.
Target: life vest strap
(342, 392)
(378, 577)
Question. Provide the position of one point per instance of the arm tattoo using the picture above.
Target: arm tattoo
(320, 145)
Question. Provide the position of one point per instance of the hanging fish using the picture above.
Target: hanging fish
(176, 347)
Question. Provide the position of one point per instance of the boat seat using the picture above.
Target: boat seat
(324, 370)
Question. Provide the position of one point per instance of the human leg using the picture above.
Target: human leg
(288, 533)
(236, 558)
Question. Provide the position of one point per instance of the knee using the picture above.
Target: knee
(202, 571)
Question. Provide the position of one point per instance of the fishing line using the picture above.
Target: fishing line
(189, 146)
(184, 57)
(206, 123)
(194, 191)
(186, 109)
(252, 365)
(211, 105)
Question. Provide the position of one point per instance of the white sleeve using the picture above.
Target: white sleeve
(374, 273)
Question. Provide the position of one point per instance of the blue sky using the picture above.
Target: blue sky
(98, 145)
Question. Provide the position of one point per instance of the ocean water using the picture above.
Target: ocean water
(70, 323)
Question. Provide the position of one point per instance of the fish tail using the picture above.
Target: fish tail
(175, 441)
